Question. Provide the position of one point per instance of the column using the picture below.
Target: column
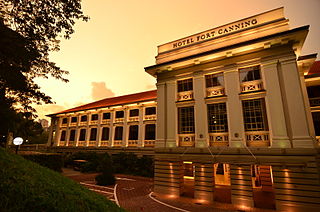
(204, 182)
(51, 130)
(234, 107)
(295, 108)
(125, 133)
(141, 127)
(161, 115)
(200, 111)
(241, 185)
(99, 130)
(274, 104)
(171, 114)
(112, 127)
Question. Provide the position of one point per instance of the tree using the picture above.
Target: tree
(29, 30)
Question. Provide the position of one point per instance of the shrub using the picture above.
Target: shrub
(26, 186)
(106, 168)
(49, 160)
(93, 160)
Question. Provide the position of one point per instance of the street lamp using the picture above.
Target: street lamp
(17, 141)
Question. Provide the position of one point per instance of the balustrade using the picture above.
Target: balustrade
(215, 91)
(186, 140)
(250, 86)
(185, 95)
(219, 139)
(257, 138)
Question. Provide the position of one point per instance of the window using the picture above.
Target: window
(313, 91)
(150, 111)
(220, 169)
(185, 85)
(94, 117)
(316, 122)
(217, 118)
(254, 115)
(82, 136)
(133, 132)
(64, 120)
(84, 118)
(150, 132)
(119, 114)
(106, 116)
(186, 120)
(250, 74)
(134, 112)
(72, 136)
(63, 135)
(213, 80)
(118, 133)
(93, 134)
(74, 119)
(105, 134)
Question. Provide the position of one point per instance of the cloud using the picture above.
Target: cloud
(100, 91)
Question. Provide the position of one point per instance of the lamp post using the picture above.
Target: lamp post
(17, 141)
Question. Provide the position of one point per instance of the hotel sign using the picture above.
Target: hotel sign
(224, 30)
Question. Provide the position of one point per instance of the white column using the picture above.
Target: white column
(125, 133)
(201, 120)
(99, 130)
(234, 107)
(112, 127)
(296, 111)
(161, 115)
(171, 120)
(88, 129)
(141, 127)
(274, 105)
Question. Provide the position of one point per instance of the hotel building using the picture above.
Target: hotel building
(235, 117)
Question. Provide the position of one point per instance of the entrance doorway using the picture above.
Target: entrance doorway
(262, 183)
(222, 189)
(188, 179)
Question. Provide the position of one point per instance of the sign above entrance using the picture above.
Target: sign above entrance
(224, 30)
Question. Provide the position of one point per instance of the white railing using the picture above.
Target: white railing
(250, 86)
(257, 138)
(215, 91)
(134, 118)
(73, 124)
(314, 101)
(71, 143)
(64, 125)
(83, 123)
(149, 143)
(104, 143)
(150, 117)
(117, 143)
(185, 95)
(105, 121)
(186, 140)
(117, 120)
(92, 143)
(82, 143)
(132, 142)
(95, 122)
(219, 139)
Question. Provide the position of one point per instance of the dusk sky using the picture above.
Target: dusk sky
(107, 55)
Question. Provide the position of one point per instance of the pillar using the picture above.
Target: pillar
(171, 114)
(161, 115)
(204, 182)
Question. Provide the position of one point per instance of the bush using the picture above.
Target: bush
(26, 186)
(49, 160)
(93, 160)
(107, 175)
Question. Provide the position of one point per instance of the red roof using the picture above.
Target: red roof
(113, 101)
(315, 68)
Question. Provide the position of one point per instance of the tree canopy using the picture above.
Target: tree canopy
(29, 30)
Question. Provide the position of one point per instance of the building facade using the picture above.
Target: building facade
(237, 117)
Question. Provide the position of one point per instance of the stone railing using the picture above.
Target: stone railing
(219, 139)
(92, 143)
(257, 138)
(95, 122)
(314, 102)
(104, 143)
(117, 120)
(186, 140)
(105, 121)
(73, 124)
(150, 117)
(215, 91)
(64, 125)
(149, 143)
(134, 118)
(82, 143)
(83, 123)
(132, 143)
(117, 143)
(62, 143)
(186, 95)
(71, 143)
(250, 86)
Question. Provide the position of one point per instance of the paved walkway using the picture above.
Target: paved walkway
(135, 195)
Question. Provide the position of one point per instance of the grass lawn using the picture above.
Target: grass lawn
(27, 186)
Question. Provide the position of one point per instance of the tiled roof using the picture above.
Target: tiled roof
(113, 101)
(315, 68)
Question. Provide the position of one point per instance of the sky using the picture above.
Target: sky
(106, 56)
